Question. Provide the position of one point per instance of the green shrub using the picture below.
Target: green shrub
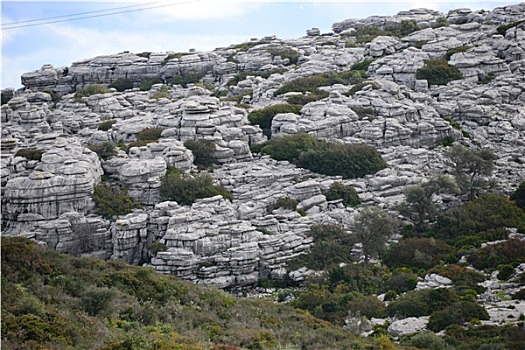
(438, 72)
(359, 86)
(55, 98)
(519, 295)
(285, 53)
(146, 83)
(122, 84)
(346, 160)
(105, 150)
(203, 151)
(518, 196)
(106, 125)
(363, 65)
(94, 89)
(428, 340)
(440, 22)
(457, 313)
(455, 50)
(345, 192)
(138, 144)
(311, 83)
(305, 99)
(448, 140)
(486, 78)
(502, 29)
(419, 253)
(30, 153)
(505, 272)
(401, 282)
(365, 112)
(185, 189)
(185, 79)
(263, 117)
(149, 134)
(421, 302)
(96, 300)
(111, 200)
(156, 247)
(367, 33)
(240, 76)
(511, 252)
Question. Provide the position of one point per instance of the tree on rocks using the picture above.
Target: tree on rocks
(471, 169)
(372, 227)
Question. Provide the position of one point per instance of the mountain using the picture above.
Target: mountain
(219, 167)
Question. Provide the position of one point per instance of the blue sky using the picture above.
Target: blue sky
(184, 24)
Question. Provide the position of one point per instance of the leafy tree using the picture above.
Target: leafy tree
(203, 151)
(372, 227)
(471, 167)
(420, 253)
(105, 150)
(518, 197)
(457, 313)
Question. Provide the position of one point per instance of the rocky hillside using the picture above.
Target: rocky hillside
(87, 149)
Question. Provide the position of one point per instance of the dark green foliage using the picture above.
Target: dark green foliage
(483, 219)
(418, 253)
(349, 161)
(448, 141)
(511, 252)
(185, 189)
(94, 89)
(149, 134)
(162, 92)
(502, 29)
(401, 282)
(519, 295)
(440, 22)
(305, 99)
(30, 153)
(332, 245)
(421, 302)
(53, 301)
(240, 76)
(419, 44)
(428, 340)
(465, 280)
(144, 54)
(156, 247)
(359, 86)
(363, 65)
(345, 192)
(263, 117)
(203, 151)
(122, 84)
(285, 53)
(313, 82)
(55, 98)
(284, 203)
(105, 150)
(367, 33)
(365, 113)
(455, 50)
(146, 83)
(518, 197)
(457, 313)
(486, 78)
(438, 72)
(488, 337)
(402, 28)
(111, 200)
(505, 272)
(186, 79)
(106, 125)
(172, 56)
(372, 228)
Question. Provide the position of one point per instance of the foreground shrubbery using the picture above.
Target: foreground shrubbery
(52, 301)
(348, 161)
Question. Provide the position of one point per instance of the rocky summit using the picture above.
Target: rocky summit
(53, 130)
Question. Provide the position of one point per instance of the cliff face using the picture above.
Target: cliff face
(236, 243)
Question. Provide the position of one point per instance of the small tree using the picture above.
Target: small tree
(372, 227)
(203, 150)
(85, 239)
(471, 169)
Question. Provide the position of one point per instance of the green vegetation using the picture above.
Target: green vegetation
(185, 189)
(111, 201)
(518, 197)
(502, 29)
(172, 56)
(345, 192)
(417, 253)
(285, 53)
(54, 301)
(263, 117)
(458, 49)
(203, 151)
(359, 86)
(163, 92)
(149, 134)
(105, 150)
(186, 79)
(106, 125)
(146, 83)
(284, 203)
(30, 153)
(440, 22)
(122, 84)
(94, 89)
(349, 161)
(511, 252)
(438, 72)
(240, 76)
(456, 313)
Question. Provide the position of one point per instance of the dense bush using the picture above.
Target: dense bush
(149, 134)
(263, 117)
(486, 337)
(105, 150)
(438, 72)
(518, 196)
(457, 313)
(146, 83)
(240, 76)
(162, 92)
(285, 53)
(122, 84)
(505, 272)
(185, 80)
(94, 89)
(482, 219)
(111, 200)
(106, 125)
(284, 203)
(30, 153)
(347, 193)
(428, 340)
(203, 152)
(348, 161)
(502, 29)
(312, 83)
(455, 50)
(440, 22)
(510, 252)
(418, 253)
(401, 282)
(185, 189)
(421, 302)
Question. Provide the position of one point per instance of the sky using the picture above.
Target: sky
(176, 25)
